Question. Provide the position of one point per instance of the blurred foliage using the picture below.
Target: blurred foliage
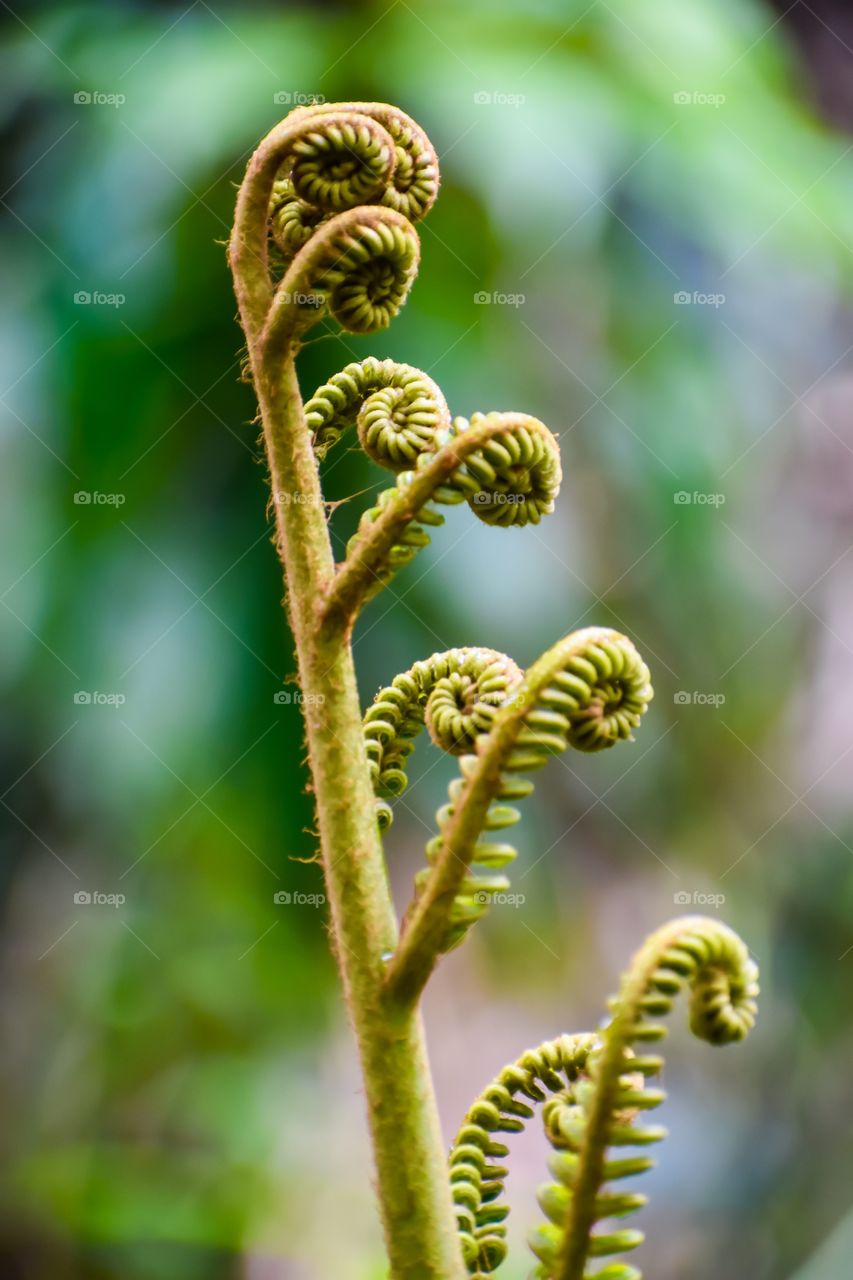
(185, 1097)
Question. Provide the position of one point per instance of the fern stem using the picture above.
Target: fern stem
(414, 1194)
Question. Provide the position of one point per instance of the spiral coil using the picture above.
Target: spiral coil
(345, 157)
(476, 1182)
(594, 698)
(713, 962)
(453, 694)
(341, 166)
(398, 410)
(365, 272)
(512, 480)
(409, 185)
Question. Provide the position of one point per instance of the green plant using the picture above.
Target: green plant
(324, 225)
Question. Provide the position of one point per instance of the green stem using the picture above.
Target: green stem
(411, 1165)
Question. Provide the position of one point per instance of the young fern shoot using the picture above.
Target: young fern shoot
(324, 230)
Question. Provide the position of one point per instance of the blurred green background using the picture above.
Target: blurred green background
(656, 203)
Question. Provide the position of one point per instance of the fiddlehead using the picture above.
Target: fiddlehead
(398, 410)
(476, 1182)
(694, 952)
(335, 189)
(360, 265)
(506, 466)
(454, 694)
(363, 266)
(410, 186)
(599, 1091)
(589, 692)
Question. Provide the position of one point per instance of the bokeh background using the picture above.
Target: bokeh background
(643, 238)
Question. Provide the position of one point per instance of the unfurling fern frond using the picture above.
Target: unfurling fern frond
(477, 1183)
(454, 694)
(506, 466)
(399, 411)
(345, 183)
(409, 185)
(599, 1089)
(345, 155)
(589, 692)
(708, 958)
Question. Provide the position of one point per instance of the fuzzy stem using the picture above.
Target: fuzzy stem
(411, 1166)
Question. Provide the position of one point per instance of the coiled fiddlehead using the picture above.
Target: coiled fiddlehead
(399, 411)
(454, 694)
(589, 692)
(598, 1083)
(409, 184)
(506, 466)
(709, 959)
(476, 1182)
(350, 181)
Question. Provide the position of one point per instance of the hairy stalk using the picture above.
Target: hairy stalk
(411, 1170)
